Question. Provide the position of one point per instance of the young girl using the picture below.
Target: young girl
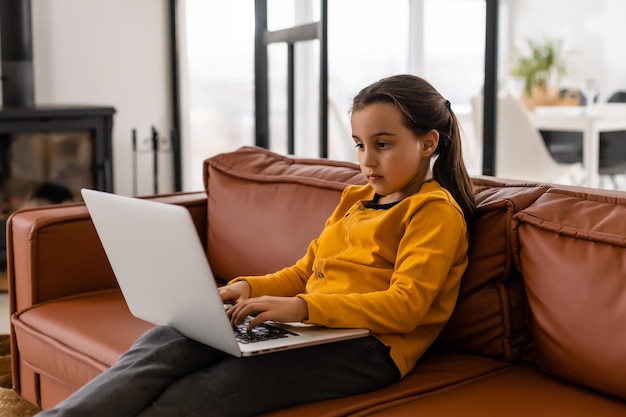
(390, 259)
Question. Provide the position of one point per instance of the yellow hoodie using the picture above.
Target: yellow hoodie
(394, 271)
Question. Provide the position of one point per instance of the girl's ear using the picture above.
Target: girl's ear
(429, 142)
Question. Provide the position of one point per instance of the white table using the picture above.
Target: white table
(605, 117)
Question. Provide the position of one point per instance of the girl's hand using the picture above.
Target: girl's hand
(282, 309)
(231, 294)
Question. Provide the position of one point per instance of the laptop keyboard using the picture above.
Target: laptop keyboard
(263, 331)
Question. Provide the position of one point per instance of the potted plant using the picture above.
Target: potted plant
(541, 70)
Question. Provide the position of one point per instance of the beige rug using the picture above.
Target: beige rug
(10, 403)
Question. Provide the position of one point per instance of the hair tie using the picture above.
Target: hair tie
(448, 104)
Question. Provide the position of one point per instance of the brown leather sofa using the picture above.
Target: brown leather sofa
(539, 329)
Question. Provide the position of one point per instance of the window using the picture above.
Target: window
(217, 102)
(367, 40)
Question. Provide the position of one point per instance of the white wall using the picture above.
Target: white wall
(593, 32)
(111, 53)
(614, 48)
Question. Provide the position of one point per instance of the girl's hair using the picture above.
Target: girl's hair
(425, 109)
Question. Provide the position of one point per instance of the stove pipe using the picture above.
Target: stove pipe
(16, 51)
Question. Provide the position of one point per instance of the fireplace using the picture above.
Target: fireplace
(68, 147)
(47, 153)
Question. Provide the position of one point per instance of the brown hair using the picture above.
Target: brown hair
(425, 109)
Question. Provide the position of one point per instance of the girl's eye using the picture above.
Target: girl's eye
(359, 146)
(383, 145)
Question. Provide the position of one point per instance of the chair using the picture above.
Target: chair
(567, 147)
(521, 152)
(617, 97)
(613, 147)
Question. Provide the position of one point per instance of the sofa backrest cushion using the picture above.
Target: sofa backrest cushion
(489, 318)
(572, 256)
(264, 209)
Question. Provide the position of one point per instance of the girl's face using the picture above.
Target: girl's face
(394, 159)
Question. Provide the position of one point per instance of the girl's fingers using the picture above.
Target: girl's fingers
(239, 311)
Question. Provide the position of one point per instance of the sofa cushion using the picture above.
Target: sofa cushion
(436, 372)
(73, 339)
(572, 251)
(274, 207)
(489, 318)
(518, 392)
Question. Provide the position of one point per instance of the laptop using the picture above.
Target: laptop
(164, 275)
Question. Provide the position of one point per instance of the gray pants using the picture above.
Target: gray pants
(166, 374)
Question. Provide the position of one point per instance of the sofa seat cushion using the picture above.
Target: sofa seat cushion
(74, 339)
(572, 251)
(516, 392)
(435, 371)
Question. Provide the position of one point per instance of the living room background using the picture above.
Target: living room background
(116, 52)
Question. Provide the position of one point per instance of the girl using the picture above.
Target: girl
(390, 259)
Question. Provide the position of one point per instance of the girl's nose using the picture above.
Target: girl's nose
(368, 157)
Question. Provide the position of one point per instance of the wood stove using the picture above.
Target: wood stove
(47, 153)
(68, 147)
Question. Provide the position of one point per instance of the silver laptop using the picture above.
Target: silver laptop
(163, 272)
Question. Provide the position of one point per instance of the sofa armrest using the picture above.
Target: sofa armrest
(54, 251)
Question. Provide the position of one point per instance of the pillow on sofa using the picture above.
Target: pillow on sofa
(489, 318)
(264, 209)
(572, 248)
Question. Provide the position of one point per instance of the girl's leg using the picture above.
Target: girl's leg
(158, 358)
(250, 386)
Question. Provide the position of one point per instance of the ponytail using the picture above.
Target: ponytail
(449, 171)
